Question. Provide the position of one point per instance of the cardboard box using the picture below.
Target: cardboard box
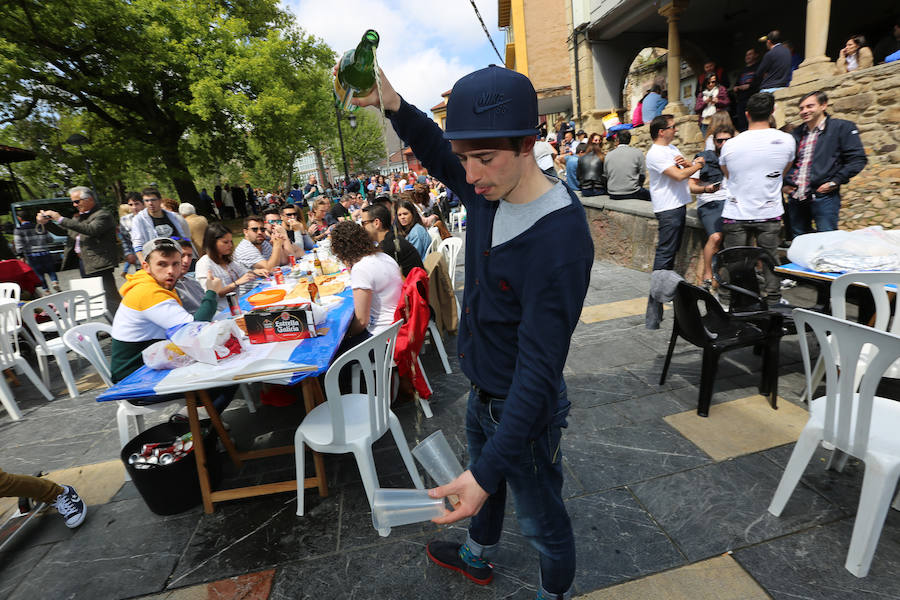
(280, 323)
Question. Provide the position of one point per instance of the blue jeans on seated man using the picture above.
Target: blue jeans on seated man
(536, 484)
(821, 208)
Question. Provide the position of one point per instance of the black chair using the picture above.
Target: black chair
(717, 332)
(735, 270)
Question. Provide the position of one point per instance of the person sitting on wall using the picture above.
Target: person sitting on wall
(623, 168)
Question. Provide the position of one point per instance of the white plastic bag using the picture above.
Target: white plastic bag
(209, 342)
(165, 355)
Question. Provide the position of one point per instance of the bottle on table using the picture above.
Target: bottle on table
(318, 263)
(356, 71)
(312, 288)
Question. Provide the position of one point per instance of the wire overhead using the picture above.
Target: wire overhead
(486, 32)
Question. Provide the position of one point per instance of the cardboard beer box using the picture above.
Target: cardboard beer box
(280, 323)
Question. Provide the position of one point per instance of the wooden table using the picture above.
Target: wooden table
(313, 357)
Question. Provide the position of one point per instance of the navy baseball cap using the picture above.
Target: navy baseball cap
(492, 102)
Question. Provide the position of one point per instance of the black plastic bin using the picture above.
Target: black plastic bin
(171, 489)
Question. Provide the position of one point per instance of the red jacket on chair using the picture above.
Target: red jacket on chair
(413, 309)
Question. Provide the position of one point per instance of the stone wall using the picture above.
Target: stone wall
(625, 232)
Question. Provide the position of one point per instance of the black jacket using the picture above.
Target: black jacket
(838, 156)
(402, 251)
(589, 172)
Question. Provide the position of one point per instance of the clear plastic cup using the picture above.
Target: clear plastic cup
(393, 507)
(437, 458)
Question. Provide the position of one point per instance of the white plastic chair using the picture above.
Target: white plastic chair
(11, 359)
(860, 424)
(451, 247)
(97, 307)
(10, 290)
(435, 240)
(877, 283)
(456, 219)
(62, 308)
(83, 340)
(353, 422)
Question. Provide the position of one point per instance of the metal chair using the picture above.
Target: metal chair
(63, 310)
(10, 358)
(860, 424)
(353, 422)
(717, 332)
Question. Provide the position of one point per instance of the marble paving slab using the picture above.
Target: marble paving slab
(741, 426)
(841, 487)
(255, 534)
(723, 506)
(810, 565)
(621, 455)
(121, 550)
(616, 540)
(719, 578)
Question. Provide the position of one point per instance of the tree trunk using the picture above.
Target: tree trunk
(179, 174)
(119, 191)
(320, 165)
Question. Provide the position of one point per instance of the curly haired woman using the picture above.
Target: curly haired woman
(375, 278)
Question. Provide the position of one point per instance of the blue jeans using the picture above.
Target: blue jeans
(821, 208)
(537, 493)
(670, 232)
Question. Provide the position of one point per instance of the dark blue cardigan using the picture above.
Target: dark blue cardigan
(522, 299)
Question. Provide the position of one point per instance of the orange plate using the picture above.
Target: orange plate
(266, 297)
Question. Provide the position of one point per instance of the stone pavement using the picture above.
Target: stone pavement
(664, 504)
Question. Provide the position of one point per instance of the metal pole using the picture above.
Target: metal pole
(337, 117)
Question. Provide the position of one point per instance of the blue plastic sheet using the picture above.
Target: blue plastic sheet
(318, 351)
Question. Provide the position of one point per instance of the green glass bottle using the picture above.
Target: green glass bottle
(356, 71)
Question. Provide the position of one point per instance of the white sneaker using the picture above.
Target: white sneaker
(71, 507)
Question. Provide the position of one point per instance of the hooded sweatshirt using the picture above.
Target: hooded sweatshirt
(146, 312)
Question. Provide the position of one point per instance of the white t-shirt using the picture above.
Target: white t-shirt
(756, 160)
(665, 193)
(543, 154)
(381, 274)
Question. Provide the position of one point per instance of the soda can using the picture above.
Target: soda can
(293, 260)
(178, 445)
(188, 446)
(233, 305)
(279, 277)
(166, 459)
(135, 458)
(142, 466)
(152, 460)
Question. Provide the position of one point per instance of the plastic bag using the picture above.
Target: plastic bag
(209, 342)
(165, 355)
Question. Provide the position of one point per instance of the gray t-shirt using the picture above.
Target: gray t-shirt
(623, 167)
(514, 219)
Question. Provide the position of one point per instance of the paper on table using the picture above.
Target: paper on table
(259, 358)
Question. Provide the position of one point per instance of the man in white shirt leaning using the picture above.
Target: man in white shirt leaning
(668, 173)
(755, 163)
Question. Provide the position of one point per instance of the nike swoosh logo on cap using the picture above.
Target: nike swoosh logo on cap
(481, 109)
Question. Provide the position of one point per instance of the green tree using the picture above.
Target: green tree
(363, 144)
(191, 81)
